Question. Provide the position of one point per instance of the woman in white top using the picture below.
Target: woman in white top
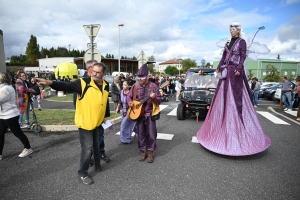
(9, 115)
(177, 88)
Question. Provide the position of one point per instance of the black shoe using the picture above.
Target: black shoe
(98, 169)
(104, 158)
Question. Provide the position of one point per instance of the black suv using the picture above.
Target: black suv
(197, 94)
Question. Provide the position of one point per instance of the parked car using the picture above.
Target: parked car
(196, 100)
(110, 80)
(269, 93)
(265, 86)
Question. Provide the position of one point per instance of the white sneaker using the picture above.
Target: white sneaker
(285, 109)
(289, 110)
(25, 152)
(0, 157)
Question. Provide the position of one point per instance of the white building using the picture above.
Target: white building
(176, 62)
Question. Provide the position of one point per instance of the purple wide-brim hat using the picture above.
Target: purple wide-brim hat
(143, 71)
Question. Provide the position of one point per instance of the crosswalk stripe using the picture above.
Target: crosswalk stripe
(293, 112)
(161, 136)
(173, 112)
(194, 139)
(272, 118)
(161, 107)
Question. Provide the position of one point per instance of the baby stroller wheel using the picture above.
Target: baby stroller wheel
(37, 128)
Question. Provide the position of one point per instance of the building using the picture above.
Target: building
(290, 69)
(2, 57)
(126, 65)
(176, 62)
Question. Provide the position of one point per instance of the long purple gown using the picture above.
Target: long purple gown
(231, 126)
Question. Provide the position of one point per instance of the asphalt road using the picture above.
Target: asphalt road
(181, 170)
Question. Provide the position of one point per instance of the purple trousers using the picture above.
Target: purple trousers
(147, 133)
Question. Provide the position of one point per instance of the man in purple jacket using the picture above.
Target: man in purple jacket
(146, 127)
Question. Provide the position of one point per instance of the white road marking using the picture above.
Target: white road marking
(161, 107)
(164, 136)
(173, 112)
(272, 118)
(293, 112)
(194, 139)
(161, 136)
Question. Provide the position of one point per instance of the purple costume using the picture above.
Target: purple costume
(127, 125)
(231, 126)
(146, 127)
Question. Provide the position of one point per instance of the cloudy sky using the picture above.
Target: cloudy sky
(166, 29)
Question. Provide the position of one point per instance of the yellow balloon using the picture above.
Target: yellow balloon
(66, 69)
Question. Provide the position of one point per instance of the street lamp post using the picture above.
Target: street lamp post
(119, 48)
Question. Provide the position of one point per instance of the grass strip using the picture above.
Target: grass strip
(60, 117)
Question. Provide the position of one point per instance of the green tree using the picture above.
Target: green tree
(208, 65)
(188, 64)
(62, 52)
(151, 65)
(112, 56)
(171, 70)
(44, 52)
(32, 51)
(52, 52)
(273, 74)
(250, 74)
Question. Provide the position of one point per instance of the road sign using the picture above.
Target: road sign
(92, 32)
(88, 55)
(89, 45)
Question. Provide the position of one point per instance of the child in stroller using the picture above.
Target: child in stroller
(164, 96)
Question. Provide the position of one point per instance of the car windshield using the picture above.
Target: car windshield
(198, 81)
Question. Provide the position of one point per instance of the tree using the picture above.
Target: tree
(62, 52)
(188, 64)
(106, 55)
(208, 65)
(203, 63)
(44, 52)
(122, 57)
(32, 51)
(52, 53)
(151, 65)
(250, 74)
(171, 70)
(112, 56)
(273, 74)
(134, 58)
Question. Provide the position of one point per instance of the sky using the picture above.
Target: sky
(166, 29)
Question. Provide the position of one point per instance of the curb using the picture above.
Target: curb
(272, 110)
(54, 128)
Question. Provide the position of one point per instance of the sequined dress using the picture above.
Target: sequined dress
(231, 126)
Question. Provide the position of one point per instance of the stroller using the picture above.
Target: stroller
(164, 96)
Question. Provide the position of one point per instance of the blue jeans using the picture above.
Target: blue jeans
(26, 115)
(287, 100)
(101, 140)
(171, 91)
(89, 141)
(255, 98)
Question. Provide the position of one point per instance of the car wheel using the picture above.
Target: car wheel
(181, 115)
(273, 96)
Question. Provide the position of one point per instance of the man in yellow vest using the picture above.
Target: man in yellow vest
(92, 107)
